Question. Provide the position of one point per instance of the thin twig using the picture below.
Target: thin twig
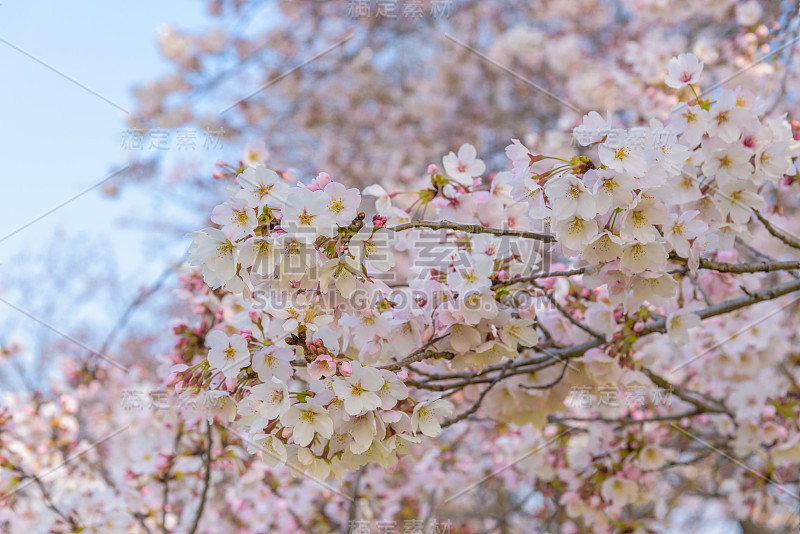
(206, 480)
(473, 229)
(788, 240)
(478, 402)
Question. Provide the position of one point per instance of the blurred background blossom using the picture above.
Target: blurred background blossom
(123, 110)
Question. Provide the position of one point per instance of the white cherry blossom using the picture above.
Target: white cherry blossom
(679, 323)
(307, 420)
(227, 354)
(262, 186)
(359, 390)
(428, 414)
(465, 166)
(684, 69)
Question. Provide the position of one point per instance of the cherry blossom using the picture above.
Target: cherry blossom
(685, 69)
(227, 354)
(465, 166)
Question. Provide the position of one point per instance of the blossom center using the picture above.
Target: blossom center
(307, 416)
(263, 190)
(224, 249)
(306, 219)
(239, 218)
(336, 205)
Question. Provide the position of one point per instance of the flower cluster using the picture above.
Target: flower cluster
(293, 371)
(473, 300)
(315, 366)
(653, 197)
(345, 331)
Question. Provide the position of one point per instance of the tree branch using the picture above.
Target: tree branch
(473, 229)
(206, 480)
(788, 240)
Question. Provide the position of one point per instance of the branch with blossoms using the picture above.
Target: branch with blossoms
(356, 335)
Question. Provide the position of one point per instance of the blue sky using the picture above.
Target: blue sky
(57, 138)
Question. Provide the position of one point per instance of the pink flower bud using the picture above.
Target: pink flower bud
(171, 379)
(432, 169)
(345, 368)
(230, 383)
(639, 326)
(161, 462)
(319, 182)
(548, 283)
(289, 175)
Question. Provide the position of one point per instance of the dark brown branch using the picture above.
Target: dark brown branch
(206, 480)
(165, 496)
(623, 421)
(420, 354)
(534, 278)
(740, 268)
(685, 395)
(562, 354)
(549, 296)
(551, 383)
(352, 512)
(473, 229)
(788, 240)
(74, 523)
(477, 403)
